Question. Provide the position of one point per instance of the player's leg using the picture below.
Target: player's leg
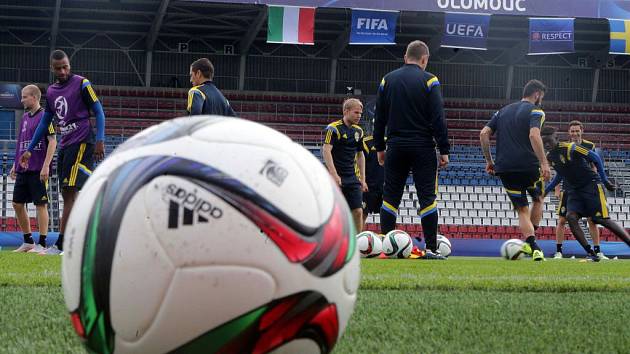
(573, 218)
(535, 189)
(561, 225)
(424, 169)
(599, 213)
(353, 195)
(594, 231)
(515, 185)
(396, 172)
(560, 229)
(614, 228)
(76, 168)
(39, 191)
(21, 196)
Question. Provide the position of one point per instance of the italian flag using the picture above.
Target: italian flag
(291, 25)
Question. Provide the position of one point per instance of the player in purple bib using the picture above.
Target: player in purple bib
(31, 183)
(69, 101)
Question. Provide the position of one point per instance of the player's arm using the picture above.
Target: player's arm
(360, 157)
(536, 121)
(329, 139)
(381, 117)
(436, 113)
(50, 152)
(594, 158)
(92, 101)
(195, 102)
(554, 182)
(484, 139)
(361, 164)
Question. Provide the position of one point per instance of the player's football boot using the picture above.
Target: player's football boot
(37, 249)
(602, 256)
(538, 255)
(526, 248)
(557, 255)
(25, 247)
(51, 251)
(430, 255)
(416, 253)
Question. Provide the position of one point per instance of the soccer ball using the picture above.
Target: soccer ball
(397, 244)
(210, 234)
(444, 245)
(369, 244)
(512, 249)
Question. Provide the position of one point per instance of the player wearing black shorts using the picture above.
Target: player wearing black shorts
(409, 107)
(576, 129)
(586, 194)
(343, 155)
(31, 183)
(374, 177)
(69, 101)
(520, 159)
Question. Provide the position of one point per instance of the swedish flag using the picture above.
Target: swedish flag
(619, 36)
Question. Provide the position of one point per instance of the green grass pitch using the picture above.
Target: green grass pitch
(463, 305)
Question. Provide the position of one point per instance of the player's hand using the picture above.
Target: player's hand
(43, 175)
(337, 180)
(490, 168)
(443, 161)
(24, 159)
(99, 151)
(12, 173)
(381, 157)
(364, 186)
(545, 172)
(610, 186)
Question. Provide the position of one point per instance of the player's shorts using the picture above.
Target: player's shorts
(562, 206)
(29, 188)
(353, 194)
(588, 201)
(372, 201)
(75, 164)
(519, 184)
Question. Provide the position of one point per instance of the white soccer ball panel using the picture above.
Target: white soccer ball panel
(200, 299)
(74, 242)
(141, 273)
(511, 249)
(444, 245)
(397, 244)
(250, 165)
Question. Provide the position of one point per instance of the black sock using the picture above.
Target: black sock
(531, 240)
(536, 227)
(596, 249)
(42, 240)
(429, 229)
(28, 238)
(559, 247)
(59, 242)
(388, 220)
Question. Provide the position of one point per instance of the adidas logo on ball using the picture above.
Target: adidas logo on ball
(191, 204)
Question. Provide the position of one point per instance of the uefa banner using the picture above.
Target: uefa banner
(10, 96)
(373, 27)
(468, 31)
(551, 36)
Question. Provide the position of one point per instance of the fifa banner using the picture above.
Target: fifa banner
(532, 8)
(551, 36)
(619, 36)
(373, 27)
(469, 31)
